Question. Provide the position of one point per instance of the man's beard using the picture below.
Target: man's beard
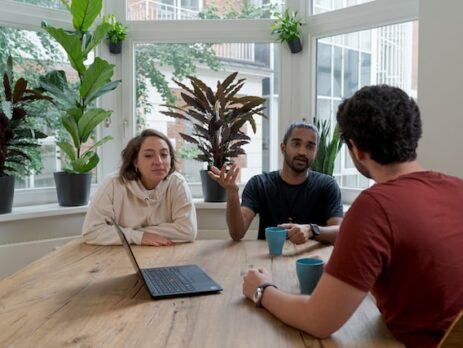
(361, 168)
(298, 166)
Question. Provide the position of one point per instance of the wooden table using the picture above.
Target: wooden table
(89, 296)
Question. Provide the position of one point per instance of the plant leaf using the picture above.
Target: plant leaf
(90, 120)
(68, 149)
(84, 13)
(71, 44)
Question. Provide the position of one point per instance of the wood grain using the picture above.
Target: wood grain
(89, 296)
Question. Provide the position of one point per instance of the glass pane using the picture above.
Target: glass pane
(56, 4)
(157, 64)
(321, 6)
(34, 54)
(195, 9)
(381, 55)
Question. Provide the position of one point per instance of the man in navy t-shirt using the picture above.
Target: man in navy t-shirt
(306, 203)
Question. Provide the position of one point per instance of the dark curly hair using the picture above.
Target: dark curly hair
(382, 121)
(130, 153)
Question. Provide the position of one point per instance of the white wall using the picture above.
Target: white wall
(440, 90)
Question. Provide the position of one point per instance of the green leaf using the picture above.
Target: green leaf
(90, 120)
(68, 149)
(95, 39)
(99, 92)
(99, 143)
(84, 13)
(71, 127)
(97, 75)
(75, 113)
(85, 163)
(55, 83)
(71, 44)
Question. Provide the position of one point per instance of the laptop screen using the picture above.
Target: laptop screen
(126, 245)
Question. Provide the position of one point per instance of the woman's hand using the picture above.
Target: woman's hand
(155, 240)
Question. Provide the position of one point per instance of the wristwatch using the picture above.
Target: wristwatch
(315, 231)
(259, 292)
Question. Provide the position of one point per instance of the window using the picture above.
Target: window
(348, 62)
(195, 9)
(33, 54)
(157, 64)
(321, 6)
(56, 4)
(340, 55)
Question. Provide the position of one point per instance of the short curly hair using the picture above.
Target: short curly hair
(382, 121)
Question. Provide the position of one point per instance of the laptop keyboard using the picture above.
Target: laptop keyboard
(168, 281)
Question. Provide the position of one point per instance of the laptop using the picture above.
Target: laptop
(173, 281)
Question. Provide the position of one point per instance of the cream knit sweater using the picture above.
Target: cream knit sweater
(169, 211)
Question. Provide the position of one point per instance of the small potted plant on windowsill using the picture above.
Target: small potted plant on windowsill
(288, 28)
(17, 135)
(217, 120)
(116, 34)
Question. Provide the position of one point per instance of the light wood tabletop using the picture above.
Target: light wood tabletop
(89, 296)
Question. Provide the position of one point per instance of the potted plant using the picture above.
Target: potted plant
(116, 34)
(76, 101)
(288, 28)
(17, 135)
(217, 120)
(328, 147)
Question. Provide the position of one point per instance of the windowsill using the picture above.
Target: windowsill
(46, 210)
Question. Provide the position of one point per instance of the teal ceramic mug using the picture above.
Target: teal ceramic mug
(309, 272)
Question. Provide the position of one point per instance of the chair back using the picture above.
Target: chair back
(453, 337)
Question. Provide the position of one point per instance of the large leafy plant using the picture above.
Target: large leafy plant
(328, 147)
(79, 115)
(217, 118)
(17, 137)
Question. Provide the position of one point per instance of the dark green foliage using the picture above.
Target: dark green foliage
(217, 118)
(287, 26)
(17, 136)
(79, 116)
(328, 147)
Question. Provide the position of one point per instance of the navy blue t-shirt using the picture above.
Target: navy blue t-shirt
(314, 201)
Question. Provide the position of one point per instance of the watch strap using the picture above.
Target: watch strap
(261, 289)
(315, 231)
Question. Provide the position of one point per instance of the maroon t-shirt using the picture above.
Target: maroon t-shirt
(403, 241)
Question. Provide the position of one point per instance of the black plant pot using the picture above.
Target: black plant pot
(295, 45)
(72, 189)
(7, 190)
(116, 47)
(212, 191)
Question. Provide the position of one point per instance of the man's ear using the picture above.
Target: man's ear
(282, 147)
(359, 154)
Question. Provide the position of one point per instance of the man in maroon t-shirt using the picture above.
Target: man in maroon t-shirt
(402, 239)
